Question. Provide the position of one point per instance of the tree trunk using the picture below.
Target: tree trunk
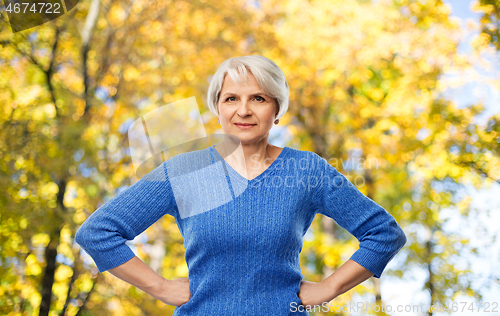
(48, 277)
(429, 283)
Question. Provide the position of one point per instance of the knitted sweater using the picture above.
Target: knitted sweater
(242, 237)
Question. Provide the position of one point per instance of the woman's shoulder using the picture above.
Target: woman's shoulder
(188, 161)
(190, 155)
(299, 153)
(306, 161)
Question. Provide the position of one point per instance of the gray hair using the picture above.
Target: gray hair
(269, 76)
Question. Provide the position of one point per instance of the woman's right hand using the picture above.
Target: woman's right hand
(175, 292)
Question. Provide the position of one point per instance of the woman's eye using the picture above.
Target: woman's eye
(258, 99)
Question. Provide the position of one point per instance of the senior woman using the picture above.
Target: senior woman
(244, 214)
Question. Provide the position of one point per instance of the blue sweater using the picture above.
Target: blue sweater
(242, 238)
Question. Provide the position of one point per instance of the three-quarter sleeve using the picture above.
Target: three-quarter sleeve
(380, 236)
(125, 216)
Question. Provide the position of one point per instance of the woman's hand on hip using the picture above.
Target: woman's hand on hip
(175, 292)
(314, 294)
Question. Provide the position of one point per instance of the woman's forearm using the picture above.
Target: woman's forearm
(172, 292)
(346, 277)
(140, 275)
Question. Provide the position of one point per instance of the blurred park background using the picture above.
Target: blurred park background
(401, 96)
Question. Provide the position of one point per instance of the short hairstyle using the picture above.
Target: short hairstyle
(269, 76)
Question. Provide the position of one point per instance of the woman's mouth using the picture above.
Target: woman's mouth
(244, 125)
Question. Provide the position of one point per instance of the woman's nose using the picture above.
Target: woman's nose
(244, 108)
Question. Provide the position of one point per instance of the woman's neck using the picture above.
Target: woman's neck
(248, 159)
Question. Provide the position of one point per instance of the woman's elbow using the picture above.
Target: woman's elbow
(81, 236)
(401, 237)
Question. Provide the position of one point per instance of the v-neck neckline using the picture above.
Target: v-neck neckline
(238, 175)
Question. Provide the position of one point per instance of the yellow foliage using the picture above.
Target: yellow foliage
(63, 273)
(84, 282)
(365, 112)
(481, 40)
(19, 162)
(32, 266)
(23, 223)
(40, 239)
(35, 299)
(49, 190)
(182, 270)
(131, 73)
(339, 94)
(376, 94)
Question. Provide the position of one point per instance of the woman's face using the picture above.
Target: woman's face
(253, 106)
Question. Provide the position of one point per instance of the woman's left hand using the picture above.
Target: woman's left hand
(314, 293)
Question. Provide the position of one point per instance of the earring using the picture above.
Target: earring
(218, 120)
(276, 122)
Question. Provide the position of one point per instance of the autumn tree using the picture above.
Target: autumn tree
(490, 21)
